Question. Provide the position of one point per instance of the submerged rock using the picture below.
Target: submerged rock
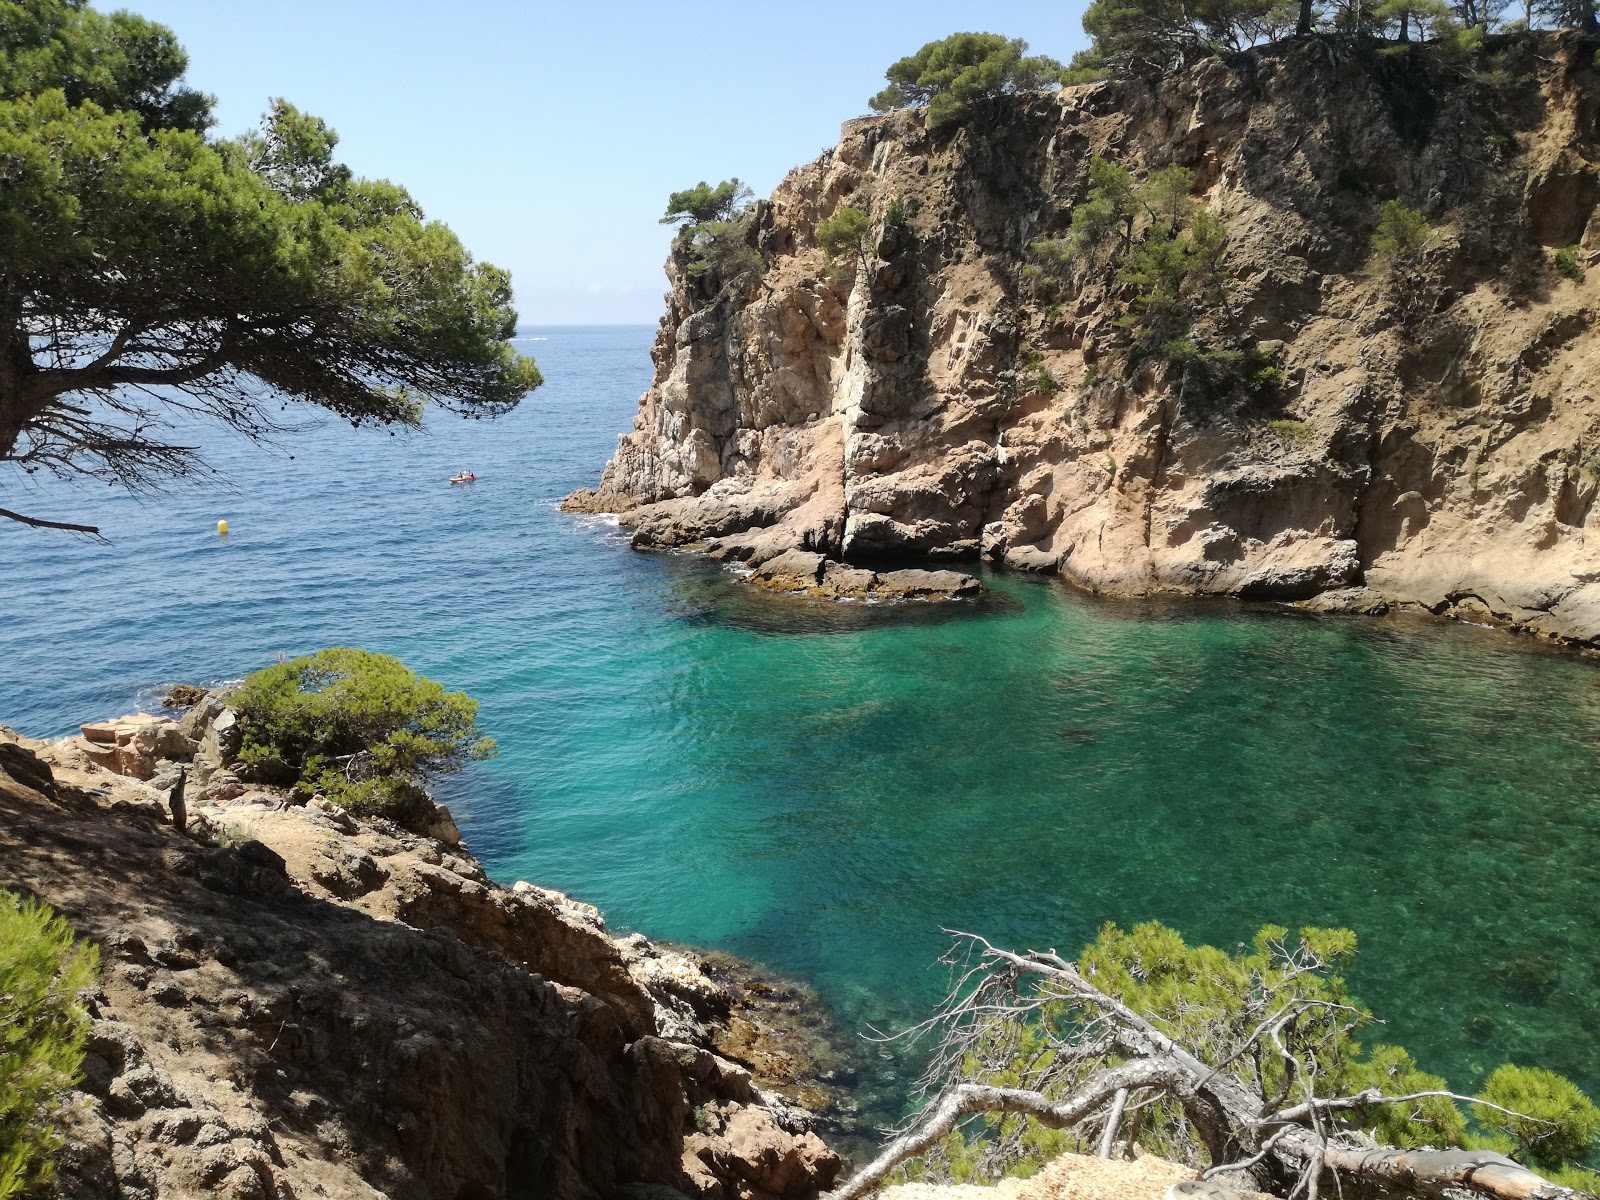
(811, 574)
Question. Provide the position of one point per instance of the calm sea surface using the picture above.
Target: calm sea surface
(823, 788)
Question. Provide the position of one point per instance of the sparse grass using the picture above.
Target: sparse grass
(229, 837)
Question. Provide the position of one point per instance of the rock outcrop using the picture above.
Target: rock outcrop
(922, 405)
(1080, 1177)
(294, 1003)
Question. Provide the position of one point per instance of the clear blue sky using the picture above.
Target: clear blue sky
(549, 135)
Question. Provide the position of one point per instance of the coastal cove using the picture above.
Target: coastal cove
(822, 788)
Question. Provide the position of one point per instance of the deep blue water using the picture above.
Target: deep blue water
(822, 788)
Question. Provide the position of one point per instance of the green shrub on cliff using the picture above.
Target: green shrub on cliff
(1569, 262)
(702, 202)
(848, 231)
(722, 249)
(956, 71)
(1401, 239)
(361, 728)
(42, 1033)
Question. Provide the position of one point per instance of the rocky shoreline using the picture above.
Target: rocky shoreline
(298, 1003)
(930, 406)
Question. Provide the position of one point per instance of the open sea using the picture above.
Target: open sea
(823, 788)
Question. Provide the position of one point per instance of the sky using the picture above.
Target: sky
(548, 136)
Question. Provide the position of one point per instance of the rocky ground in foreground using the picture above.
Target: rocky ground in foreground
(297, 1004)
(1080, 1177)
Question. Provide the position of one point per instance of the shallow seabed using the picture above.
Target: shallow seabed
(822, 788)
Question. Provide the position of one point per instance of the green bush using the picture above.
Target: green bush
(1297, 432)
(1569, 262)
(1401, 239)
(899, 212)
(849, 229)
(1564, 1126)
(361, 728)
(722, 250)
(949, 74)
(42, 1032)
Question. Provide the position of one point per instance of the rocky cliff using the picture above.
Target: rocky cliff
(296, 1004)
(1443, 451)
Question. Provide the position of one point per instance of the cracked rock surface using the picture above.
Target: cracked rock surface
(925, 405)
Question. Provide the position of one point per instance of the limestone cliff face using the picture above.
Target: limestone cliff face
(1447, 456)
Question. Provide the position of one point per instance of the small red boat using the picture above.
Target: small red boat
(463, 477)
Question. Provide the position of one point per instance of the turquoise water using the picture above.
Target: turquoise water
(822, 788)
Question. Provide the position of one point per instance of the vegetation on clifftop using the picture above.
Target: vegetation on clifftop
(949, 74)
(714, 234)
(43, 1027)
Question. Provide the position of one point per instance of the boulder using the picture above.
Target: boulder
(791, 571)
(914, 584)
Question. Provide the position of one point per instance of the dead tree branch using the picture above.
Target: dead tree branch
(1083, 1054)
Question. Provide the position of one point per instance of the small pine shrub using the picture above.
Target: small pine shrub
(1569, 262)
(899, 212)
(1402, 238)
(363, 729)
(847, 233)
(43, 1028)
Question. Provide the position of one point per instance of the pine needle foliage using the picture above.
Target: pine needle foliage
(1401, 239)
(703, 202)
(1214, 1002)
(43, 1027)
(951, 74)
(848, 234)
(149, 269)
(361, 728)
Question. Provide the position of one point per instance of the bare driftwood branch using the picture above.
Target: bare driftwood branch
(1111, 1053)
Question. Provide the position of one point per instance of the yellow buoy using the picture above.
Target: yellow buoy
(222, 528)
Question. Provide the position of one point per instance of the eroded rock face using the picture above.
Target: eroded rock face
(925, 405)
(298, 1004)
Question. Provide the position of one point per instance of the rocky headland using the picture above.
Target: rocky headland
(1438, 450)
(297, 1003)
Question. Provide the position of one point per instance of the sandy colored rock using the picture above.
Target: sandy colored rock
(926, 406)
(303, 1004)
(1070, 1177)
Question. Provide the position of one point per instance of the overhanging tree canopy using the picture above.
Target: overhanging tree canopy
(146, 269)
